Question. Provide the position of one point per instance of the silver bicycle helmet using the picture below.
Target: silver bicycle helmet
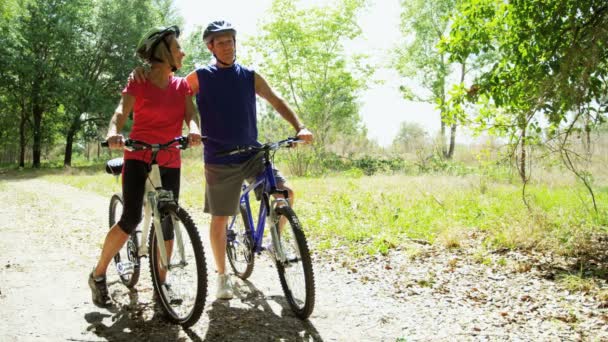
(150, 40)
(217, 27)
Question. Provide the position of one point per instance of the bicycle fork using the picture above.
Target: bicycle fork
(274, 230)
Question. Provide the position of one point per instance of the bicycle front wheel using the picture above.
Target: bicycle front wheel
(181, 288)
(239, 245)
(127, 259)
(295, 269)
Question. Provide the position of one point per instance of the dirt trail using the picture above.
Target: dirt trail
(51, 235)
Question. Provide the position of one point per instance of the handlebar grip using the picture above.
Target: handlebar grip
(183, 142)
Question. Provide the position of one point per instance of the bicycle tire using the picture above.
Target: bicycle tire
(302, 307)
(129, 270)
(192, 315)
(239, 247)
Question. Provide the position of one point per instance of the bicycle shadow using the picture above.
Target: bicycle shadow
(253, 318)
(126, 322)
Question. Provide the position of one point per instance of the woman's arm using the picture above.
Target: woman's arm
(121, 114)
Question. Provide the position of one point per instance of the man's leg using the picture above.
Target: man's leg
(217, 235)
(218, 245)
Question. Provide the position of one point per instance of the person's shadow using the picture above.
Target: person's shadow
(127, 323)
(257, 321)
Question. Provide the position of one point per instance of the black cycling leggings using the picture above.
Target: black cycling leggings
(134, 176)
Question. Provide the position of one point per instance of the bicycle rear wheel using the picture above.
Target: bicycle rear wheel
(182, 290)
(295, 271)
(239, 245)
(126, 260)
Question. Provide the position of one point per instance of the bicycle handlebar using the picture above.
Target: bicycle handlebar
(136, 145)
(271, 146)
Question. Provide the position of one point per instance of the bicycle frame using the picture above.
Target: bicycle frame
(267, 180)
(153, 195)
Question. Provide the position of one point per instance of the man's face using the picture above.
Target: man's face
(223, 47)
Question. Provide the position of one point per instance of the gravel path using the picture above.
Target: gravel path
(52, 234)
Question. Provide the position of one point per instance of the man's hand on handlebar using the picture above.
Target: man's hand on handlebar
(305, 135)
(194, 139)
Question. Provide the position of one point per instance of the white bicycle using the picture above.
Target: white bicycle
(180, 276)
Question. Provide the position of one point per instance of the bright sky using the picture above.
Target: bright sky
(383, 109)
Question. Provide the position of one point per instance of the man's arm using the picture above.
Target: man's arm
(192, 80)
(263, 90)
(121, 114)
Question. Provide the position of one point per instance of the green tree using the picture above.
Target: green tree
(49, 30)
(303, 58)
(410, 138)
(551, 66)
(424, 24)
(14, 112)
(103, 58)
(196, 51)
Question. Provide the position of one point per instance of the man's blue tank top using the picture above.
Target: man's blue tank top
(227, 107)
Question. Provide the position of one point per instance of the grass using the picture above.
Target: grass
(576, 283)
(381, 211)
(375, 214)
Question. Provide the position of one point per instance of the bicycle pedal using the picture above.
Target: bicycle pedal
(125, 268)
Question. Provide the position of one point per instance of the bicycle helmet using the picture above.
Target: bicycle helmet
(150, 40)
(217, 27)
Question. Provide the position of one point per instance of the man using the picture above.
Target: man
(226, 97)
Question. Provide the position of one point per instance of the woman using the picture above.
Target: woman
(160, 106)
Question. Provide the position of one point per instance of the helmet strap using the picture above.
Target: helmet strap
(154, 59)
(173, 68)
(224, 63)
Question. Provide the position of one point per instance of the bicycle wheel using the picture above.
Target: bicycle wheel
(126, 260)
(182, 290)
(239, 245)
(295, 272)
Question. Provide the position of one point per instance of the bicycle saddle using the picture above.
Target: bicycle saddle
(114, 166)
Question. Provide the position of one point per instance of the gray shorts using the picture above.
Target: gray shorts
(224, 183)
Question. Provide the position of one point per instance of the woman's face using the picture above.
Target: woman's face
(176, 51)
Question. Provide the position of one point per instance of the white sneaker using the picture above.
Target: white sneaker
(224, 287)
(268, 247)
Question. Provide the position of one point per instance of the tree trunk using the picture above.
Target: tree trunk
(452, 141)
(523, 156)
(444, 150)
(22, 123)
(74, 127)
(450, 153)
(37, 135)
(67, 159)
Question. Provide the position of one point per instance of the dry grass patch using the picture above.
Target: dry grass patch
(575, 283)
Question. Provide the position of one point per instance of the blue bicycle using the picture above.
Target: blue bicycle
(289, 247)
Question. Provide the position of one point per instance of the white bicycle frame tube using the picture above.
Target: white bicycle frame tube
(153, 186)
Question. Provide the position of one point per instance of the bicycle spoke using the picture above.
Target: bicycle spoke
(239, 245)
(295, 268)
(181, 290)
(127, 259)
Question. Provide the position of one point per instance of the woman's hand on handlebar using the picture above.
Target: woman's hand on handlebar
(115, 141)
